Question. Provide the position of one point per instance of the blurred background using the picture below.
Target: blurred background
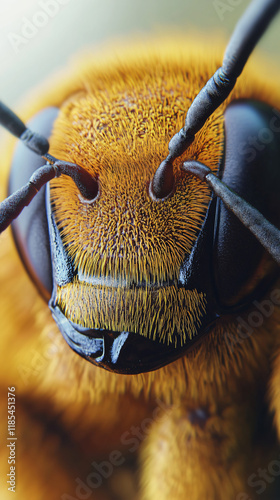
(37, 37)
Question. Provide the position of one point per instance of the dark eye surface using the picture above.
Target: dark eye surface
(30, 229)
(251, 170)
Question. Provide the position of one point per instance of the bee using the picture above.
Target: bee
(154, 372)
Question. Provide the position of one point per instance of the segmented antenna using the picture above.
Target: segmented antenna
(246, 35)
(267, 234)
(12, 206)
(13, 124)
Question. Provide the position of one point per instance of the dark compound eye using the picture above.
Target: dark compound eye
(252, 171)
(30, 229)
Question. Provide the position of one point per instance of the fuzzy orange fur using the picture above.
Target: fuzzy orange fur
(116, 119)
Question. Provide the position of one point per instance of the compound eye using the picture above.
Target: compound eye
(30, 229)
(251, 170)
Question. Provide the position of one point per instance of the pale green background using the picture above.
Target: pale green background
(79, 23)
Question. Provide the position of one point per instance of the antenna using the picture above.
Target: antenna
(246, 35)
